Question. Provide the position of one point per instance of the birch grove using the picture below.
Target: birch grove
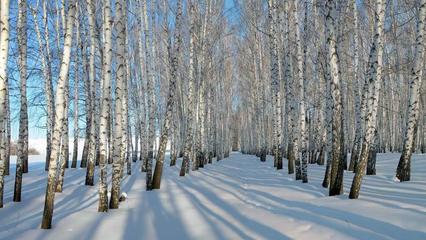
(118, 88)
(328, 90)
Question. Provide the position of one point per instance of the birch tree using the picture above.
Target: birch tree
(142, 92)
(374, 84)
(276, 96)
(105, 106)
(79, 47)
(190, 94)
(44, 51)
(22, 155)
(150, 92)
(46, 65)
(64, 151)
(174, 61)
(301, 160)
(59, 117)
(403, 170)
(357, 139)
(336, 173)
(289, 105)
(4, 52)
(119, 86)
(92, 108)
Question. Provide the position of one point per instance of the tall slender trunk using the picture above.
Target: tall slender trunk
(375, 82)
(8, 134)
(118, 130)
(90, 172)
(59, 117)
(22, 147)
(190, 96)
(336, 173)
(76, 92)
(404, 166)
(289, 105)
(105, 106)
(88, 99)
(64, 150)
(4, 52)
(125, 129)
(48, 85)
(295, 148)
(275, 83)
(328, 134)
(301, 159)
(142, 100)
(110, 140)
(150, 93)
(357, 138)
(174, 61)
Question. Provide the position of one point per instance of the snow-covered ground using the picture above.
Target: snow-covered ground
(237, 198)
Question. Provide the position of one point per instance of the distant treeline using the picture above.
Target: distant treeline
(13, 150)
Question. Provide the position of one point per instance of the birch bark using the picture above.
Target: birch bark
(156, 181)
(119, 86)
(22, 147)
(59, 117)
(404, 166)
(105, 106)
(374, 83)
(4, 52)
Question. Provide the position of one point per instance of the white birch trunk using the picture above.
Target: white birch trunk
(190, 96)
(357, 137)
(174, 61)
(4, 52)
(76, 92)
(404, 165)
(64, 153)
(92, 108)
(375, 83)
(301, 159)
(118, 130)
(22, 155)
(59, 117)
(275, 83)
(150, 92)
(336, 173)
(105, 106)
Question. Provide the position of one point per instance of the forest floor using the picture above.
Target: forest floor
(236, 198)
